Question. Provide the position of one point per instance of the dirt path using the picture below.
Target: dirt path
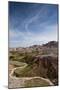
(16, 82)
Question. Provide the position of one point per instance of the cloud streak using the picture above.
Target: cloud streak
(30, 39)
(37, 27)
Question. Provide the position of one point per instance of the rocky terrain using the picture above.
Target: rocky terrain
(41, 60)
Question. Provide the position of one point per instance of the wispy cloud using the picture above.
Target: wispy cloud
(18, 38)
(37, 27)
(40, 14)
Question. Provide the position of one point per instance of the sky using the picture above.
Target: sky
(32, 23)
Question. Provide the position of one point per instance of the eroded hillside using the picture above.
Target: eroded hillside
(41, 60)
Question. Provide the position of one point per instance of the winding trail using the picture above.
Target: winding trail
(19, 82)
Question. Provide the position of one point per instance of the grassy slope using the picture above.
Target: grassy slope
(36, 82)
(27, 58)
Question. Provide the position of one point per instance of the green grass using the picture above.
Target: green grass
(25, 72)
(36, 83)
(17, 64)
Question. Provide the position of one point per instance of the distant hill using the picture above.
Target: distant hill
(51, 44)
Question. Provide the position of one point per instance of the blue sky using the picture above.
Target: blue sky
(31, 24)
